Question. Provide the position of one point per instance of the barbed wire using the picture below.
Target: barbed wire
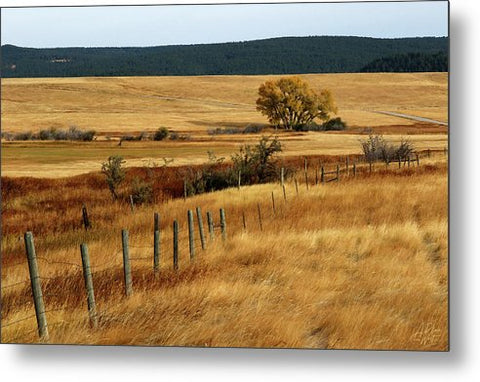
(58, 262)
(15, 284)
(17, 321)
(14, 265)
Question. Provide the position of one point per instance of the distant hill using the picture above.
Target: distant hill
(321, 54)
(410, 62)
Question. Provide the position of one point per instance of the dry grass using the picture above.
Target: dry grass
(348, 265)
(131, 104)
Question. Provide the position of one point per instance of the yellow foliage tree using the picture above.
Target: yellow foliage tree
(289, 102)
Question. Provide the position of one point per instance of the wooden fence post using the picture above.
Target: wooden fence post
(36, 287)
(273, 204)
(239, 179)
(223, 224)
(127, 270)
(87, 276)
(296, 186)
(399, 161)
(284, 194)
(408, 160)
(132, 206)
(191, 238)
(86, 221)
(282, 176)
(210, 225)
(259, 217)
(322, 176)
(156, 242)
(418, 159)
(175, 245)
(184, 190)
(428, 153)
(200, 227)
(306, 172)
(244, 221)
(354, 169)
(370, 166)
(338, 172)
(316, 176)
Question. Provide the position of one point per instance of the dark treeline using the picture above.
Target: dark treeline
(411, 62)
(326, 54)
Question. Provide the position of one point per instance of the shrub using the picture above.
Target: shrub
(378, 148)
(114, 173)
(335, 124)
(252, 128)
(174, 136)
(141, 191)
(160, 134)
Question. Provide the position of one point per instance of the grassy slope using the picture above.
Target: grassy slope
(347, 265)
(118, 105)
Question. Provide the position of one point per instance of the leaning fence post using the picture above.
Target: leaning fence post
(223, 224)
(127, 271)
(244, 221)
(36, 287)
(87, 276)
(210, 225)
(282, 176)
(175, 245)
(132, 206)
(86, 221)
(259, 217)
(200, 227)
(284, 194)
(191, 238)
(296, 186)
(156, 242)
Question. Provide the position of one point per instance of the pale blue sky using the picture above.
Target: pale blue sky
(167, 25)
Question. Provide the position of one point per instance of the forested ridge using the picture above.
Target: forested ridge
(316, 54)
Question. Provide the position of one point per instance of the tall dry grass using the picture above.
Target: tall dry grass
(359, 264)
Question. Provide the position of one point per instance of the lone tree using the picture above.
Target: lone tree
(114, 173)
(289, 102)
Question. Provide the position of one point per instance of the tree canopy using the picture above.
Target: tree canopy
(289, 102)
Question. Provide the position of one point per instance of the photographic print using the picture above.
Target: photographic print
(226, 175)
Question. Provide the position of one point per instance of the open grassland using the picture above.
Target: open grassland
(117, 105)
(345, 265)
(54, 159)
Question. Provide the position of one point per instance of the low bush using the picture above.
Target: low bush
(160, 134)
(376, 147)
(73, 133)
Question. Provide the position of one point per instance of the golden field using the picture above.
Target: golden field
(356, 264)
(117, 105)
(347, 265)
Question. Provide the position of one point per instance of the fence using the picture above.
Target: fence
(197, 239)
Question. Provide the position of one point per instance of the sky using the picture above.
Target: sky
(122, 26)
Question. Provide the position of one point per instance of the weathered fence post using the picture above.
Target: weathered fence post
(284, 194)
(296, 186)
(210, 225)
(127, 270)
(273, 204)
(132, 206)
(200, 227)
(36, 287)
(175, 245)
(322, 176)
(239, 178)
(418, 159)
(354, 169)
(259, 217)
(408, 160)
(370, 166)
(305, 171)
(282, 176)
(244, 221)
(86, 221)
(223, 224)
(184, 190)
(399, 161)
(338, 172)
(87, 276)
(428, 153)
(191, 238)
(156, 242)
